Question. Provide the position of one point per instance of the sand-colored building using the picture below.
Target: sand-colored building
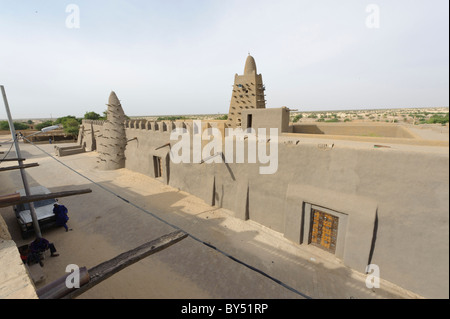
(248, 93)
(368, 199)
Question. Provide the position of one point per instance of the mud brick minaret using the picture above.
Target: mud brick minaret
(248, 93)
(113, 142)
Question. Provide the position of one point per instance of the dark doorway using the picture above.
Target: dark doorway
(249, 120)
(157, 163)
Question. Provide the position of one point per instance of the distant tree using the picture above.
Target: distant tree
(63, 119)
(223, 117)
(40, 126)
(297, 118)
(4, 125)
(20, 126)
(70, 124)
(438, 119)
(171, 118)
(71, 127)
(105, 115)
(91, 116)
(30, 122)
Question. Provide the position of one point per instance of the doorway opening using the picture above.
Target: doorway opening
(249, 120)
(324, 230)
(157, 163)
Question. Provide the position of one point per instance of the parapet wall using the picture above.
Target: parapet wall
(89, 133)
(93, 122)
(394, 131)
(168, 126)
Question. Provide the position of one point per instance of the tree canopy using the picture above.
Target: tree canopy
(91, 116)
(71, 126)
(4, 125)
(40, 126)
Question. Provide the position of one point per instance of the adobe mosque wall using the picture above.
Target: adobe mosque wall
(389, 206)
(393, 205)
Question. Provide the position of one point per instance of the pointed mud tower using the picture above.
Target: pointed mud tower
(248, 93)
(113, 142)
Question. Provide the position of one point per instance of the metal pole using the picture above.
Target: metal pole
(37, 229)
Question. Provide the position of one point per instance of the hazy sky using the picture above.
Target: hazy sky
(180, 56)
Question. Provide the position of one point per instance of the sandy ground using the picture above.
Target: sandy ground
(431, 132)
(105, 226)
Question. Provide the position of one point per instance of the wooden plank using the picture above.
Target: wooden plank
(58, 289)
(162, 146)
(9, 198)
(107, 269)
(13, 159)
(35, 198)
(10, 168)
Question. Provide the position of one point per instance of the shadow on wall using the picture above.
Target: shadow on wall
(212, 272)
(243, 242)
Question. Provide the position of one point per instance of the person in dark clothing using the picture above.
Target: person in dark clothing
(60, 212)
(37, 248)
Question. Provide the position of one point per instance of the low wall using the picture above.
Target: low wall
(375, 130)
(71, 150)
(266, 118)
(89, 132)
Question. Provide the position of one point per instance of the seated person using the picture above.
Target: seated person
(37, 248)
